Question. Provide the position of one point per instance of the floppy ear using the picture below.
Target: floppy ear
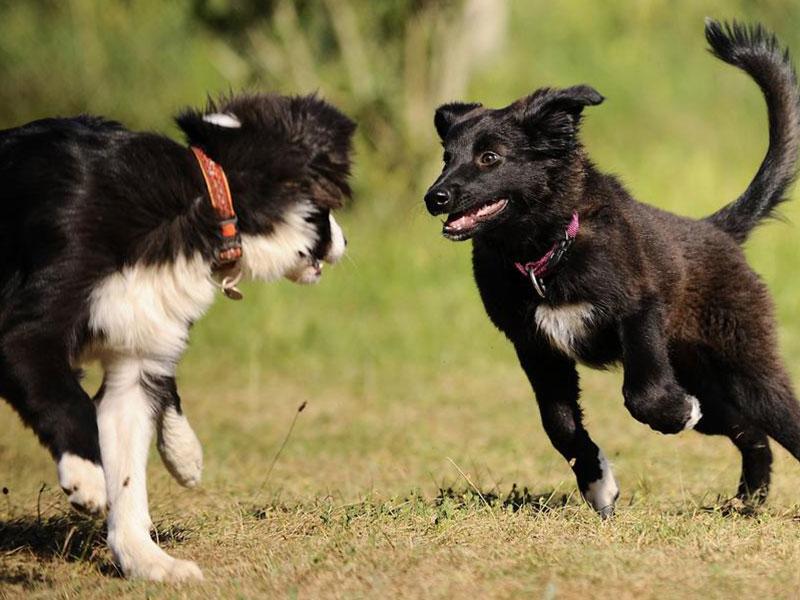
(574, 99)
(448, 114)
(551, 117)
(200, 129)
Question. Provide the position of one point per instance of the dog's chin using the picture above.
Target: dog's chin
(306, 274)
(467, 223)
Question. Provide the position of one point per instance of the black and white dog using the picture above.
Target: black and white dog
(573, 269)
(111, 249)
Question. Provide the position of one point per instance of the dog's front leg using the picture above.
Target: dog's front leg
(555, 382)
(652, 394)
(178, 445)
(125, 417)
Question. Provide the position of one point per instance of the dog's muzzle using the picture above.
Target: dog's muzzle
(309, 269)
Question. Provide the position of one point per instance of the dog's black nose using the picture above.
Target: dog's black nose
(437, 200)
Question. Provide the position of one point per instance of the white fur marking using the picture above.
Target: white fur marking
(603, 493)
(147, 310)
(564, 324)
(83, 482)
(179, 448)
(228, 120)
(695, 414)
(125, 423)
(338, 244)
(270, 257)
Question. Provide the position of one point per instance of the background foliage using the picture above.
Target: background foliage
(392, 351)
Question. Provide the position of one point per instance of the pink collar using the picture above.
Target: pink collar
(536, 269)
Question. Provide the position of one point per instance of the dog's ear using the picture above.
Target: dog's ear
(551, 117)
(574, 99)
(201, 128)
(448, 114)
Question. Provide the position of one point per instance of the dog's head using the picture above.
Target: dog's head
(287, 160)
(502, 167)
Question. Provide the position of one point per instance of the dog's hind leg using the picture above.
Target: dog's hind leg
(756, 463)
(41, 385)
(769, 404)
(722, 419)
(126, 413)
(177, 444)
(555, 383)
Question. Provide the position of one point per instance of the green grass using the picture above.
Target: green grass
(408, 385)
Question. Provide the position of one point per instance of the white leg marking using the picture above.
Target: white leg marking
(695, 414)
(179, 448)
(125, 420)
(83, 482)
(602, 494)
(564, 324)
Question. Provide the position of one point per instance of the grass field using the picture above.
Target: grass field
(418, 467)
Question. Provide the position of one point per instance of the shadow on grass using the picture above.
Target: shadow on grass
(448, 502)
(67, 537)
(515, 500)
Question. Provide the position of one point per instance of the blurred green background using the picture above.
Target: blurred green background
(392, 350)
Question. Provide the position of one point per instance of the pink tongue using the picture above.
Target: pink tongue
(469, 219)
(463, 222)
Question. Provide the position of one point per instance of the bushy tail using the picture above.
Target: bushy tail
(758, 53)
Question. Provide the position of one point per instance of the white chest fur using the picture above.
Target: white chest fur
(146, 310)
(565, 324)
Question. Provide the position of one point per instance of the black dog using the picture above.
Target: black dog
(113, 243)
(571, 268)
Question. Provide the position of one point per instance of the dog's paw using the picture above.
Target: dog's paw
(83, 482)
(141, 558)
(695, 414)
(665, 408)
(602, 493)
(160, 566)
(180, 449)
(168, 570)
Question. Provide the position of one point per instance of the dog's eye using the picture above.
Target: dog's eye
(488, 158)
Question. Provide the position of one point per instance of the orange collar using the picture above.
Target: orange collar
(230, 250)
(226, 262)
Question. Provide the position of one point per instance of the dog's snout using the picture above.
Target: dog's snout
(437, 200)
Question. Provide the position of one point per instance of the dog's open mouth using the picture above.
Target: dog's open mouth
(461, 225)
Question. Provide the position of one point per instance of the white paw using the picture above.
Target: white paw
(141, 558)
(602, 493)
(164, 568)
(172, 570)
(180, 449)
(695, 414)
(83, 482)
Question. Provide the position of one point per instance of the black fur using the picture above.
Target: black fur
(670, 298)
(759, 54)
(83, 197)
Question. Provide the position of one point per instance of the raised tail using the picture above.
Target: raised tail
(758, 53)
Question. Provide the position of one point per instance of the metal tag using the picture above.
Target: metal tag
(232, 292)
(229, 282)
